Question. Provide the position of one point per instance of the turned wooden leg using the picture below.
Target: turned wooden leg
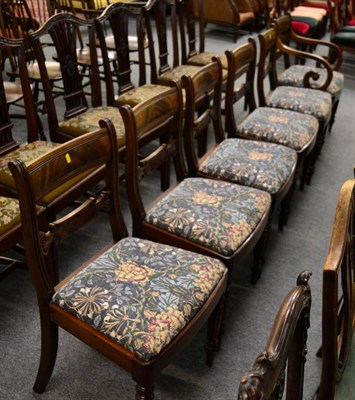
(49, 347)
(144, 393)
(332, 119)
(260, 251)
(285, 206)
(215, 326)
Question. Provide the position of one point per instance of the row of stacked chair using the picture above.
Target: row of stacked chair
(205, 211)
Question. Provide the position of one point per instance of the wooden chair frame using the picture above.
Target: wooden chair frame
(94, 150)
(171, 121)
(286, 349)
(267, 68)
(206, 86)
(338, 309)
(241, 66)
(284, 37)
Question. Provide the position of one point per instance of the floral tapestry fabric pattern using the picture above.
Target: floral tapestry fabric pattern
(261, 165)
(26, 152)
(9, 213)
(178, 72)
(308, 101)
(139, 94)
(215, 214)
(292, 129)
(294, 75)
(88, 121)
(141, 294)
(206, 57)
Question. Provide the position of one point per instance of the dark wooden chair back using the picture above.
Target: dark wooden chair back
(187, 24)
(164, 118)
(15, 49)
(39, 179)
(281, 363)
(162, 16)
(116, 18)
(18, 18)
(204, 87)
(338, 314)
(63, 30)
(267, 63)
(241, 68)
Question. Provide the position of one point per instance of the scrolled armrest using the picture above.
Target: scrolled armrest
(310, 75)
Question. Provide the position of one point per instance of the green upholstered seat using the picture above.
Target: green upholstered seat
(89, 121)
(9, 213)
(140, 94)
(206, 57)
(344, 39)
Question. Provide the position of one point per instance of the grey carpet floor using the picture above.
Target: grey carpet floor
(81, 373)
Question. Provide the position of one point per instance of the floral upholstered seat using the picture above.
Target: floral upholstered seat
(9, 213)
(308, 101)
(292, 129)
(293, 76)
(89, 121)
(216, 214)
(206, 57)
(140, 94)
(261, 165)
(26, 152)
(141, 294)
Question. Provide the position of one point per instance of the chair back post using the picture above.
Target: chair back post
(338, 309)
(241, 61)
(204, 87)
(285, 33)
(160, 10)
(7, 142)
(161, 114)
(146, 15)
(188, 39)
(286, 348)
(267, 63)
(16, 47)
(117, 16)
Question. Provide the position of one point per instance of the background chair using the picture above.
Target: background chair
(160, 329)
(338, 307)
(81, 115)
(281, 364)
(341, 34)
(234, 14)
(10, 148)
(18, 21)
